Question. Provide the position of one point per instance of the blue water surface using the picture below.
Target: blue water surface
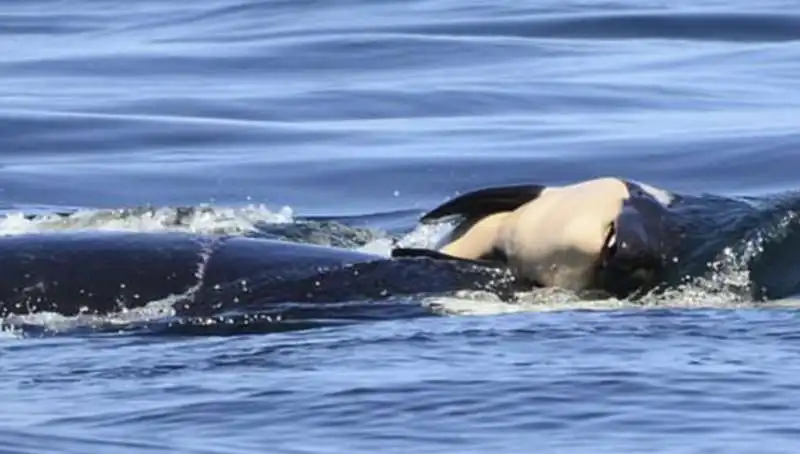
(374, 111)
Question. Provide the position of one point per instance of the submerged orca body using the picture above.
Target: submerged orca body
(605, 234)
(105, 272)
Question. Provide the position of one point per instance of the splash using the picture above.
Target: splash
(200, 220)
(10, 332)
(423, 236)
(730, 278)
(53, 323)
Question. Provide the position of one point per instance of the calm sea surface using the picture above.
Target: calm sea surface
(237, 116)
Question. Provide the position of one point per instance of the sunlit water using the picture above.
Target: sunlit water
(249, 118)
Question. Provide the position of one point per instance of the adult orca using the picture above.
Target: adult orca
(606, 234)
(102, 272)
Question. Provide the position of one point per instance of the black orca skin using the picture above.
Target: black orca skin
(105, 272)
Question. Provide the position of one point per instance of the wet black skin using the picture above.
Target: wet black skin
(104, 272)
(647, 234)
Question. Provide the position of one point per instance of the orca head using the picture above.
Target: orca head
(636, 250)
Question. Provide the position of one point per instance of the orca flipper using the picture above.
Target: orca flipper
(483, 202)
(403, 252)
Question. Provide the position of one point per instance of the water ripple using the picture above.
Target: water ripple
(366, 114)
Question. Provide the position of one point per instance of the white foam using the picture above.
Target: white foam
(202, 220)
(55, 322)
(555, 300)
(9, 333)
(423, 236)
(538, 300)
(426, 236)
(379, 246)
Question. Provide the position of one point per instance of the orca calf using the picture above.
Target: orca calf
(602, 234)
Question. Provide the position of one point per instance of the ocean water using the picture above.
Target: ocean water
(339, 123)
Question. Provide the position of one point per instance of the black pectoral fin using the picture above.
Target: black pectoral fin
(430, 253)
(483, 202)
